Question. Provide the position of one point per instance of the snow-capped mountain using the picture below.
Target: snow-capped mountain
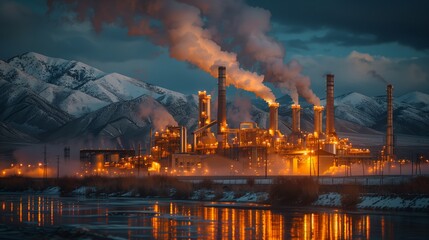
(410, 112)
(27, 112)
(61, 99)
(9, 134)
(74, 102)
(74, 86)
(123, 121)
(60, 72)
(415, 99)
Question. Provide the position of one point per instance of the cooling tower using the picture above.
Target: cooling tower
(296, 118)
(318, 110)
(274, 118)
(204, 107)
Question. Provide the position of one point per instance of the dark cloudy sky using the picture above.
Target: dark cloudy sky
(388, 38)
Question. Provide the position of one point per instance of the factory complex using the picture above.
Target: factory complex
(214, 148)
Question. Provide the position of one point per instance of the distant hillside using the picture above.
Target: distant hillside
(44, 98)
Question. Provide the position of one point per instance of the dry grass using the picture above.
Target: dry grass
(160, 186)
(350, 195)
(294, 191)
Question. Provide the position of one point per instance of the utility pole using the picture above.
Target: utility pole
(318, 159)
(58, 167)
(66, 153)
(310, 164)
(138, 162)
(45, 164)
(266, 167)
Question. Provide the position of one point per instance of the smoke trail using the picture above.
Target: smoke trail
(159, 117)
(239, 112)
(377, 76)
(171, 23)
(245, 29)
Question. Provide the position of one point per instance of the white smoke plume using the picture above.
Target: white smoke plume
(158, 116)
(245, 29)
(174, 24)
(240, 111)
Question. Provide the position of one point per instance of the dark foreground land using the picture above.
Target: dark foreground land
(283, 191)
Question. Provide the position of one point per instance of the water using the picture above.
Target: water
(133, 218)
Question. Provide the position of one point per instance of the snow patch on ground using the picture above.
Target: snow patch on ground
(203, 194)
(228, 196)
(329, 199)
(253, 197)
(393, 202)
(52, 191)
(84, 190)
(376, 202)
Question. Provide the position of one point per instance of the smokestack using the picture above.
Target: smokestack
(221, 107)
(318, 120)
(183, 140)
(296, 118)
(204, 107)
(274, 118)
(389, 130)
(330, 124)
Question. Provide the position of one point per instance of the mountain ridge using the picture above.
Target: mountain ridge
(79, 95)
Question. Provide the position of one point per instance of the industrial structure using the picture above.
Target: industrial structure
(251, 149)
(389, 154)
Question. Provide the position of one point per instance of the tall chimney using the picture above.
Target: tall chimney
(389, 130)
(330, 124)
(274, 118)
(183, 140)
(318, 120)
(221, 107)
(296, 118)
(204, 107)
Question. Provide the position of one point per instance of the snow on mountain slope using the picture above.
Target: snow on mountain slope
(80, 89)
(122, 121)
(73, 102)
(414, 98)
(115, 87)
(357, 108)
(70, 74)
(183, 108)
(357, 100)
(102, 88)
(408, 120)
(26, 111)
(417, 99)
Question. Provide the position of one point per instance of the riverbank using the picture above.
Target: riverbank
(412, 195)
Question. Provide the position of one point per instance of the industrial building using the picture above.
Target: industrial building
(256, 149)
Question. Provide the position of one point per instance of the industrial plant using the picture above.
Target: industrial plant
(214, 148)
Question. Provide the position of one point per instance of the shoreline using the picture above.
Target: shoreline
(412, 195)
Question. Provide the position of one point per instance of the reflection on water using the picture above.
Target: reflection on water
(136, 218)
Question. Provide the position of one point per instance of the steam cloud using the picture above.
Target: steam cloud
(248, 27)
(175, 24)
(196, 31)
(159, 117)
(240, 111)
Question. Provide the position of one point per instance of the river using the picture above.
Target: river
(135, 218)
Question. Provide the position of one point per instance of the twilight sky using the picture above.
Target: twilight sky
(359, 41)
